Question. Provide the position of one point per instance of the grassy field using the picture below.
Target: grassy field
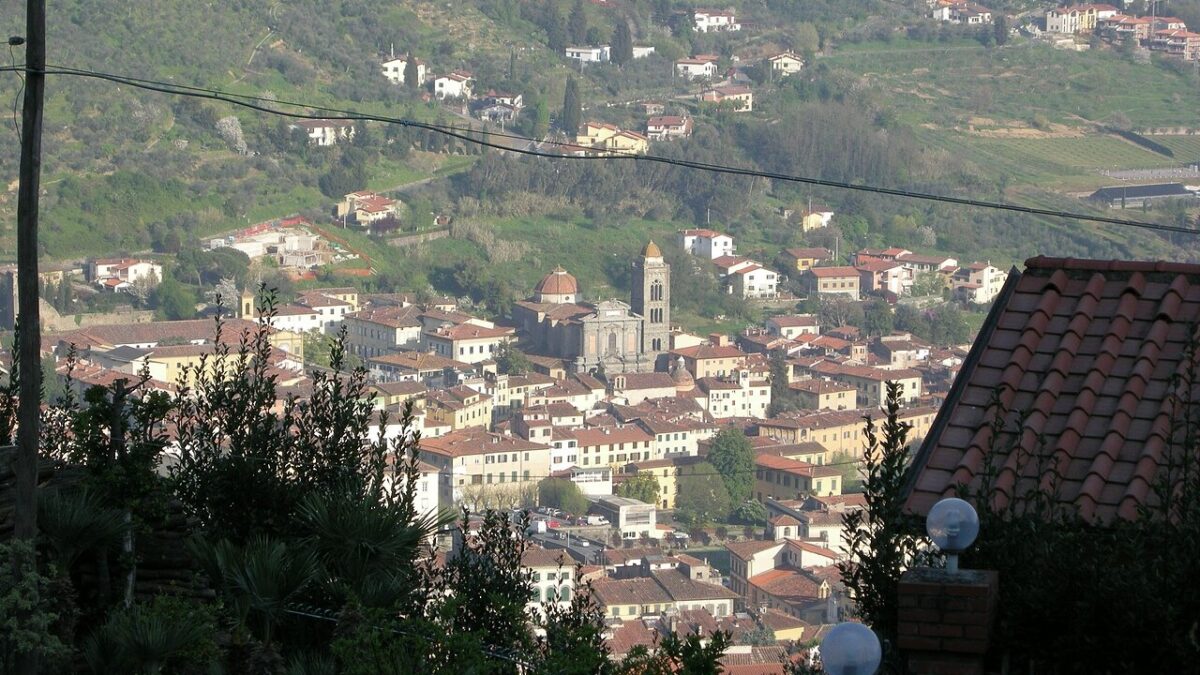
(949, 84)
(1186, 148)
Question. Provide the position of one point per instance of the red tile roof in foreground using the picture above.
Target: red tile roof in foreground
(1086, 350)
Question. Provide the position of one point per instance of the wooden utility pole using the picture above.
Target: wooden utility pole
(30, 335)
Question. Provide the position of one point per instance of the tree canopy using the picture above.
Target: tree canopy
(642, 487)
(703, 497)
(561, 493)
(733, 457)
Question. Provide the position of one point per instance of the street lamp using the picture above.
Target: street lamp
(952, 524)
(851, 649)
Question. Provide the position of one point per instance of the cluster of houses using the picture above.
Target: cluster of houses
(120, 274)
(890, 273)
(961, 12)
(289, 243)
(612, 392)
(367, 209)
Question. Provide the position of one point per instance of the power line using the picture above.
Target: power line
(253, 103)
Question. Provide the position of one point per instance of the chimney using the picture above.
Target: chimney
(945, 619)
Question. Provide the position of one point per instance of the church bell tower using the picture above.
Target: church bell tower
(651, 298)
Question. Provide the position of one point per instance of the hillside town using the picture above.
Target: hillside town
(601, 336)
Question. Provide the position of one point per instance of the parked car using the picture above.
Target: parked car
(597, 520)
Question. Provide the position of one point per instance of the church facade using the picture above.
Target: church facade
(609, 336)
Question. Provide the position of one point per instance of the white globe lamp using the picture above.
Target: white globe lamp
(851, 649)
(952, 524)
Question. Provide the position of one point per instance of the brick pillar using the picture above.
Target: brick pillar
(946, 619)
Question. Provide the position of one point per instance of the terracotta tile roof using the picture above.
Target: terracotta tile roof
(745, 549)
(794, 320)
(816, 253)
(777, 463)
(1086, 351)
(417, 361)
(815, 386)
(611, 436)
(787, 583)
(812, 548)
(631, 634)
(681, 588)
(543, 557)
(476, 442)
(637, 591)
(700, 352)
(833, 272)
(783, 519)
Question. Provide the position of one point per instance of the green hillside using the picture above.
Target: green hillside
(898, 102)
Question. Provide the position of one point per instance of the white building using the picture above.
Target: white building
(599, 54)
(707, 244)
(642, 52)
(632, 518)
(754, 281)
(666, 127)
(394, 70)
(296, 319)
(325, 133)
(736, 396)
(786, 63)
(978, 282)
(552, 572)
(118, 274)
(696, 68)
(457, 84)
(711, 21)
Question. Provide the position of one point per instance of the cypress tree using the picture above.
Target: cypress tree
(622, 43)
(577, 25)
(571, 110)
(411, 76)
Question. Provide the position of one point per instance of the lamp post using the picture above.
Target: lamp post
(952, 524)
(851, 649)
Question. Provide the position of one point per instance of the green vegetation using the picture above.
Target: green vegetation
(703, 497)
(733, 457)
(306, 534)
(561, 493)
(642, 487)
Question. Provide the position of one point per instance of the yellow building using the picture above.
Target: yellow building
(592, 134)
(667, 472)
(460, 407)
(807, 258)
(840, 431)
(818, 394)
(628, 143)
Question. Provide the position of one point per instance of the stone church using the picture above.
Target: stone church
(609, 336)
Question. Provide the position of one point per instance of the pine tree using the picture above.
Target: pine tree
(622, 43)
(569, 121)
(577, 25)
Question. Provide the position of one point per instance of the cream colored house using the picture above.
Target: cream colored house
(833, 281)
(466, 342)
(711, 361)
(822, 394)
(475, 465)
(460, 407)
(785, 64)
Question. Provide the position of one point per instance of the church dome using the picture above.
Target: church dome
(682, 376)
(557, 286)
(652, 250)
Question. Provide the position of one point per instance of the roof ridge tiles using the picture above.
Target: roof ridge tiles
(1089, 265)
